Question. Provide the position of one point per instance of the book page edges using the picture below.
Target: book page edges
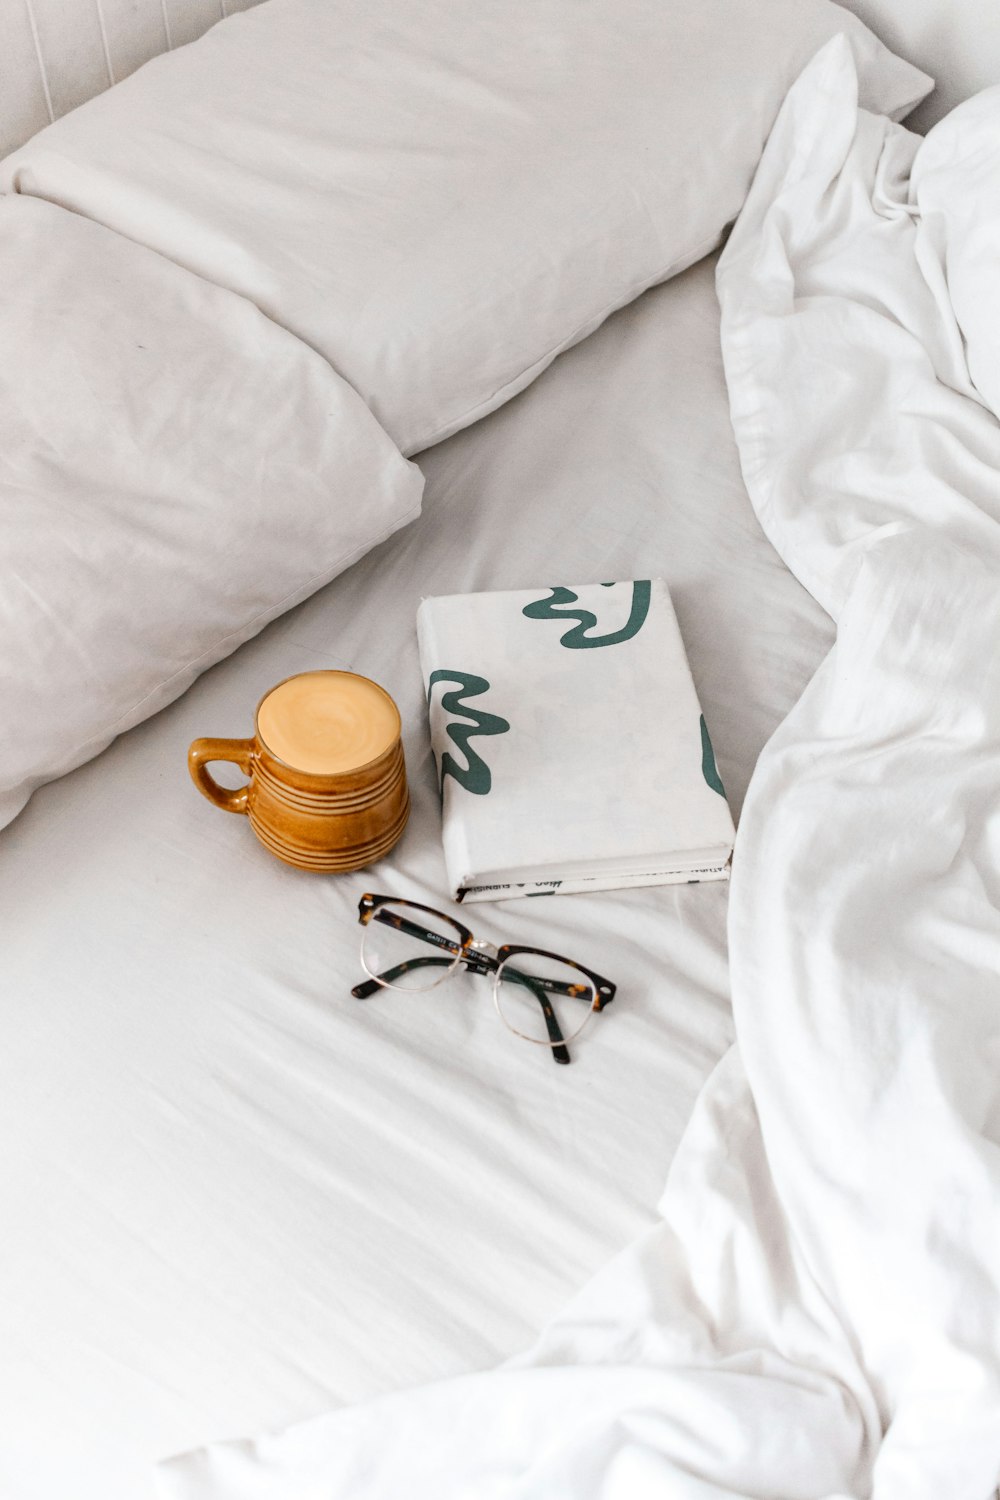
(508, 890)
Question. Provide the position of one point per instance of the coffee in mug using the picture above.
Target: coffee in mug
(327, 782)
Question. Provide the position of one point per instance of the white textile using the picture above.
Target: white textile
(175, 471)
(818, 1313)
(235, 1197)
(438, 198)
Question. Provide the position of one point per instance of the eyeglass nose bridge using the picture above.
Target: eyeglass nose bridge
(480, 957)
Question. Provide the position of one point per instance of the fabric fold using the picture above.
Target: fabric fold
(818, 1311)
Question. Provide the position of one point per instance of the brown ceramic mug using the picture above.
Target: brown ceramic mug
(327, 788)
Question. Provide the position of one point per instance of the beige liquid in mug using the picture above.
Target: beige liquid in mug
(326, 722)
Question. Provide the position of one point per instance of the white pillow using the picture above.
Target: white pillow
(174, 472)
(955, 183)
(439, 197)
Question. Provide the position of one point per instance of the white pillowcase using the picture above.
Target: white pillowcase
(440, 197)
(956, 186)
(174, 472)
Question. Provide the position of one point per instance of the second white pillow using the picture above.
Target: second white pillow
(175, 471)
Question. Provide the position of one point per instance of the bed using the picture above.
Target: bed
(235, 1201)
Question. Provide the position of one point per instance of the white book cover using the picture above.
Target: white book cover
(571, 748)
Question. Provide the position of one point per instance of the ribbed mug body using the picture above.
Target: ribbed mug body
(336, 822)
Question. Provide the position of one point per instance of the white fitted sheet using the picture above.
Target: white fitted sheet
(232, 1195)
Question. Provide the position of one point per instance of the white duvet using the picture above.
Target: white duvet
(818, 1311)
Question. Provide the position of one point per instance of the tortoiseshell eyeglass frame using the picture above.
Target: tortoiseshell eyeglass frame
(475, 959)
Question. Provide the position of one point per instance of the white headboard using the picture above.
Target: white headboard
(956, 41)
(54, 54)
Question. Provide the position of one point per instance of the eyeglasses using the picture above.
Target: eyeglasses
(541, 997)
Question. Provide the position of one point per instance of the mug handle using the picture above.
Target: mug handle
(240, 752)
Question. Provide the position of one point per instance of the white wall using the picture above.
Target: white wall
(956, 41)
(54, 54)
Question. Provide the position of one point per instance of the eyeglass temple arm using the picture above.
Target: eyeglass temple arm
(412, 929)
(559, 1049)
(370, 986)
(479, 963)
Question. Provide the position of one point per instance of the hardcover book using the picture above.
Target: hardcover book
(571, 748)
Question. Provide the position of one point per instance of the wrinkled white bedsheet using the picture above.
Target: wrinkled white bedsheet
(232, 1196)
(818, 1311)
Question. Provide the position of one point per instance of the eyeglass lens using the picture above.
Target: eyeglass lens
(410, 949)
(528, 982)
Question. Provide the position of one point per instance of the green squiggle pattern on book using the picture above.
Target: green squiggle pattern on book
(475, 775)
(709, 769)
(578, 637)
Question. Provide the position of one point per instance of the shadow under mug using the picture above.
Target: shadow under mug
(315, 820)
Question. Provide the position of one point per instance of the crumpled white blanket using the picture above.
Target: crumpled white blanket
(818, 1312)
